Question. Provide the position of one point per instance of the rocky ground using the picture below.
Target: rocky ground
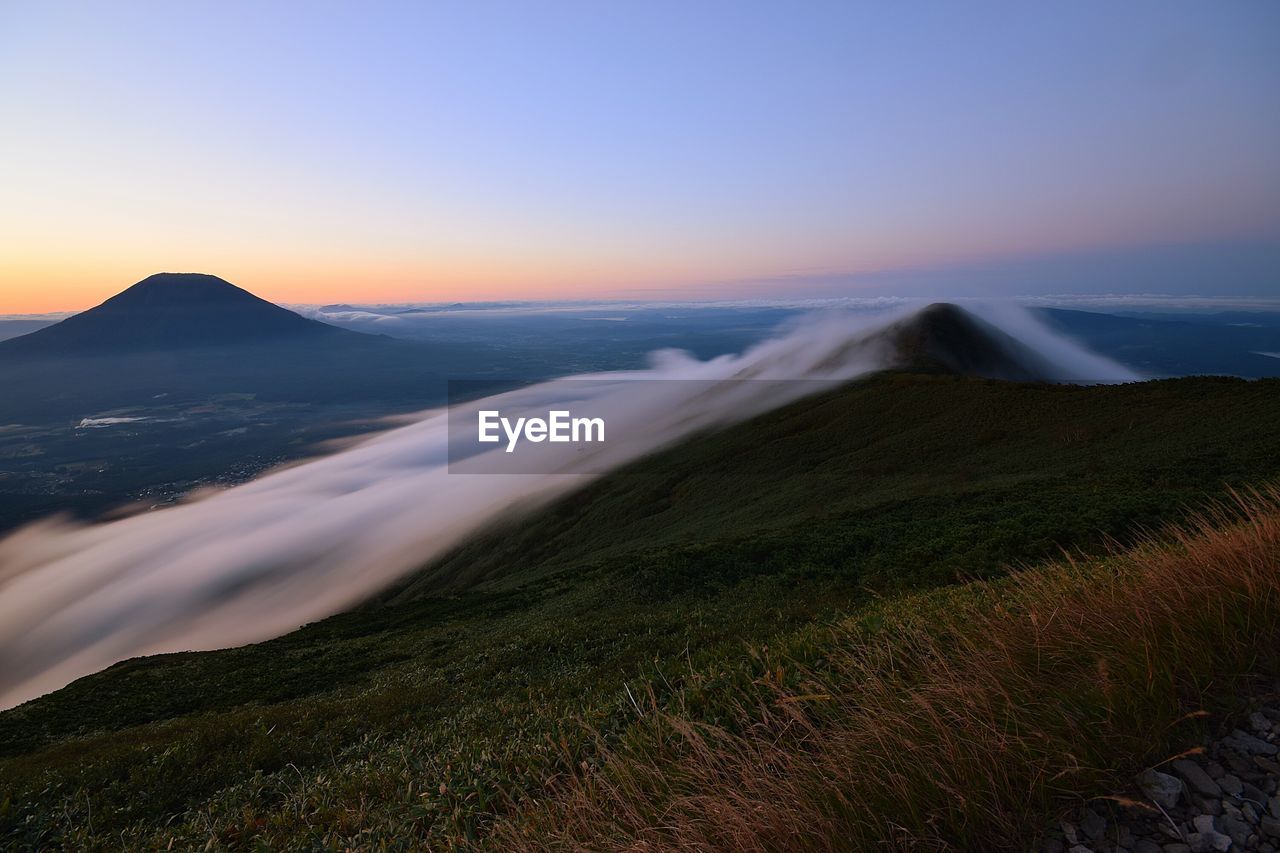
(1223, 797)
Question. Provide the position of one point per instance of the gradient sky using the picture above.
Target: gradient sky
(318, 152)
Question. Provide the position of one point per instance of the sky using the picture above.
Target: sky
(379, 152)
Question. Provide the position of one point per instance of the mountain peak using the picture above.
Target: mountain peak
(181, 288)
(169, 311)
(944, 338)
(178, 279)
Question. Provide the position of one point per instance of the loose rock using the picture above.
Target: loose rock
(1247, 743)
(1196, 778)
(1223, 799)
(1161, 788)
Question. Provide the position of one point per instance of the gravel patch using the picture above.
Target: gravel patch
(1223, 798)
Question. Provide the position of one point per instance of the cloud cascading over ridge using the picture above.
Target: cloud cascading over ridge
(260, 559)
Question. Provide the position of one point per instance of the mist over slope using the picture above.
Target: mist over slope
(260, 559)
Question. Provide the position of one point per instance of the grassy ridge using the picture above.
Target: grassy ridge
(1020, 467)
(426, 720)
(952, 721)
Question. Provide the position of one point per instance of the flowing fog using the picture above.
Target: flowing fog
(259, 560)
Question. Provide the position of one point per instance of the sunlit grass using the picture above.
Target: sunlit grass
(961, 720)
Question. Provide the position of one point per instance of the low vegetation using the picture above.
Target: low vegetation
(956, 720)
(711, 596)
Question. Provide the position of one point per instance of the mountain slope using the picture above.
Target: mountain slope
(17, 327)
(911, 448)
(413, 722)
(170, 311)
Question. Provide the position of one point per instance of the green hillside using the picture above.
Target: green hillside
(903, 479)
(423, 716)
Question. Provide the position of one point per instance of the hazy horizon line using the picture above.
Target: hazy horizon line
(1173, 303)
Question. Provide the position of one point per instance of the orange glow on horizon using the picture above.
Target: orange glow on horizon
(37, 284)
(46, 291)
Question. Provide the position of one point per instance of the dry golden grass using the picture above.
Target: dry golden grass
(962, 720)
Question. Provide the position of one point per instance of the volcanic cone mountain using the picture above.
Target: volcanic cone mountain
(170, 311)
